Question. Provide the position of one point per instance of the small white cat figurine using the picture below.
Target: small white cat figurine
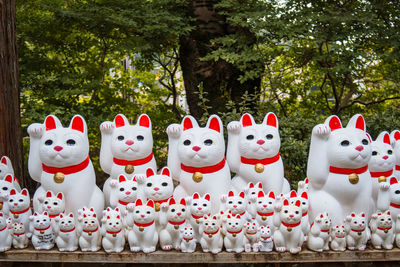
(19, 237)
(338, 238)
(19, 205)
(251, 193)
(318, 236)
(251, 236)
(382, 231)
(196, 158)
(265, 209)
(236, 205)
(125, 149)
(356, 233)
(188, 243)
(123, 191)
(211, 237)
(67, 234)
(6, 184)
(54, 204)
(88, 227)
(232, 229)
(5, 234)
(266, 243)
(42, 231)
(198, 207)
(113, 234)
(389, 197)
(302, 186)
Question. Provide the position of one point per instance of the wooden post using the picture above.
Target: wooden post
(10, 122)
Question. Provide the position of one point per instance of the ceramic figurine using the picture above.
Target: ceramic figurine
(123, 191)
(305, 224)
(113, 234)
(54, 204)
(253, 153)
(211, 238)
(302, 186)
(236, 205)
(143, 236)
(196, 158)
(397, 231)
(59, 161)
(251, 242)
(288, 235)
(89, 230)
(389, 197)
(172, 218)
(318, 236)
(251, 193)
(266, 243)
(198, 207)
(5, 234)
(395, 142)
(6, 184)
(356, 233)
(265, 209)
(188, 243)
(382, 231)
(42, 231)
(67, 234)
(19, 207)
(338, 238)
(125, 149)
(337, 169)
(6, 168)
(19, 237)
(234, 237)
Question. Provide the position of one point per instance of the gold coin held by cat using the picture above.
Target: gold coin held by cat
(59, 177)
(141, 228)
(382, 179)
(129, 169)
(259, 167)
(197, 177)
(353, 178)
(158, 206)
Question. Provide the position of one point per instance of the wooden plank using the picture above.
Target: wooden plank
(168, 257)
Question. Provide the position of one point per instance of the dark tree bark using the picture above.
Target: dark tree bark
(219, 79)
(10, 122)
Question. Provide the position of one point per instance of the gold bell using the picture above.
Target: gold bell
(1, 206)
(114, 235)
(210, 235)
(264, 218)
(353, 178)
(176, 227)
(197, 221)
(289, 229)
(90, 233)
(259, 167)
(129, 169)
(158, 207)
(16, 216)
(41, 232)
(59, 177)
(386, 230)
(141, 228)
(382, 179)
(197, 177)
(359, 233)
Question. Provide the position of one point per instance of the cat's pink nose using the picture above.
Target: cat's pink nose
(359, 148)
(199, 208)
(264, 206)
(49, 207)
(235, 206)
(179, 213)
(127, 192)
(58, 148)
(156, 188)
(385, 157)
(260, 142)
(15, 204)
(291, 215)
(142, 216)
(196, 148)
(129, 142)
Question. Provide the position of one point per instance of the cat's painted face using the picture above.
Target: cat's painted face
(187, 231)
(234, 223)
(85, 211)
(18, 228)
(394, 191)
(113, 223)
(6, 185)
(303, 200)
(265, 203)
(40, 220)
(18, 201)
(5, 167)
(253, 190)
(158, 186)
(127, 189)
(323, 220)
(210, 224)
(237, 204)
(259, 140)
(144, 213)
(339, 231)
(176, 211)
(291, 213)
(131, 142)
(251, 227)
(265, 231)
(348, 147)
(54, 203)
(200, 206)
(67, 222)
(383, 158)
(89, 223)
(200, 147)
(358, 221)
(62, 147)
(384, 219)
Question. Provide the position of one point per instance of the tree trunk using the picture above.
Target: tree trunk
(10, 122)
(218, 79)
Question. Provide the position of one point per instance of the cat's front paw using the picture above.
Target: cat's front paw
(113, 183)
(140, 178)
(130, 207)
(384, 186)
(234, 127)
(107, 127)
(174, 130)
(322, 131)
(36, 130)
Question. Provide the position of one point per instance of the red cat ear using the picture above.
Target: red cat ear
(396, 135)
(71, 215)
(116, 209)
(60, 195)
(138, 202)
(92, 209)
(4, 160)
(149, 172)
(108, 217)
(353, 214)
(388, 212)
(261, 194)
(229, 216)
(50, 122)
(121, 178)
(322, 216)
(386, 138)
(286, 202)
(207, 197)
(49, 194)
(165, 171)
(24, 192)
(144, 121)
(293, 193)
(306, 181)
(187, 123)
(84, 215)
(358, 122)
(120, 121)
(196, 196)
(363, 214)
(150, 203)
(271, 195)
(45, 213)
(9, 178)
(334, 122)
(304, 195)
(94, 215)
(171, 201)
(241, 194)
(393, 180)
(183, 202)
(78, 123)
(118, 217)
(247, 120)
(298, 203)
(231, 194)
(214, 123)
(260, 186)
(214, 217)
(251, 185)
(271, 120)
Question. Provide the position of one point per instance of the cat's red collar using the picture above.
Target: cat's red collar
(265, 161)
(379, 174)
(265, 214)
(136, 162)
(357, 231)
(42, 229)
(188, 239)
(67, 170)
(211, 234)
(385, 229)
(17, 234)
(234, 233)
(204, 170)
(123, 203)
(67, 231)
(291, 225)
(91, 231)
(394, 205)
(114, 233)
(322, 230)
(51, 216)
(143, 224)
(20, 212)
(305, 213)
(196, 217)
(337, 170)
(177, 223)
(3, 228)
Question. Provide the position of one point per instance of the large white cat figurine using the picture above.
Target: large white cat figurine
(59, 161)
(196, 158)
(125, 149)
(339, 180)
(253, 153)
(395, 142)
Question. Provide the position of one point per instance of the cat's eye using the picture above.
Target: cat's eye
(269, 202)
(21, 200)
(55, 203)
(11, 200)
(230, 202)
(5, 188)
(374, 153)
(390, 152)
(187, 142)
(259, 202)
(208, 142)
(140, 137)
(172, 210)
(240, 202)
(148, 212)
(46, 202)
(250, 137)
(204, 205)
(345, 143)
(69, 221)
(134, 188)
(382, 220)
(365, 142)
(297, 212)
(237, 223)
(164, 184)
(92, 221)
(122, 189)
(183, 210)
(253, 193)
(397, 192)
(137, 211)
(286, 211)
(213, 224)
(48, 142)
(230, 223)
(110, 224)
(117, 223)
(303, 203)
(206, 223)
(149, 184)
(362, 222)
(62, 222)
(194, 204)
(71, 142)
(37, 221)
(120, 137)
(269, 136)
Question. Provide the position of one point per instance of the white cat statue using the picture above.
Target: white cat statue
(6, 168)
(67, 235)
(89, 232)
(196, 158)
(125, 149)
(305, 223)
(397, 231)
(302, 186)
(20, 207)
(395, 142)
(356, 233)
(382, 231)
(265, 209)
(198, 207)
(211, 237)
(251, 193)
(59, 161)
(54, 204)
(113, 234)
(19, 238)
(266, 243)
(318, 236)
(234, 238)
(6, 184)
(188, 243)
(42, 231)
(338, 238)
(253, 153)
(389, 197)
(143, 236)
(236, 205)
(5, 234)
(172, 218)
(123, 191)
(252, 238)
(288, 235)
(337, 169)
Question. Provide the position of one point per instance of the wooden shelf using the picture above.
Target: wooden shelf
(306, 256)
